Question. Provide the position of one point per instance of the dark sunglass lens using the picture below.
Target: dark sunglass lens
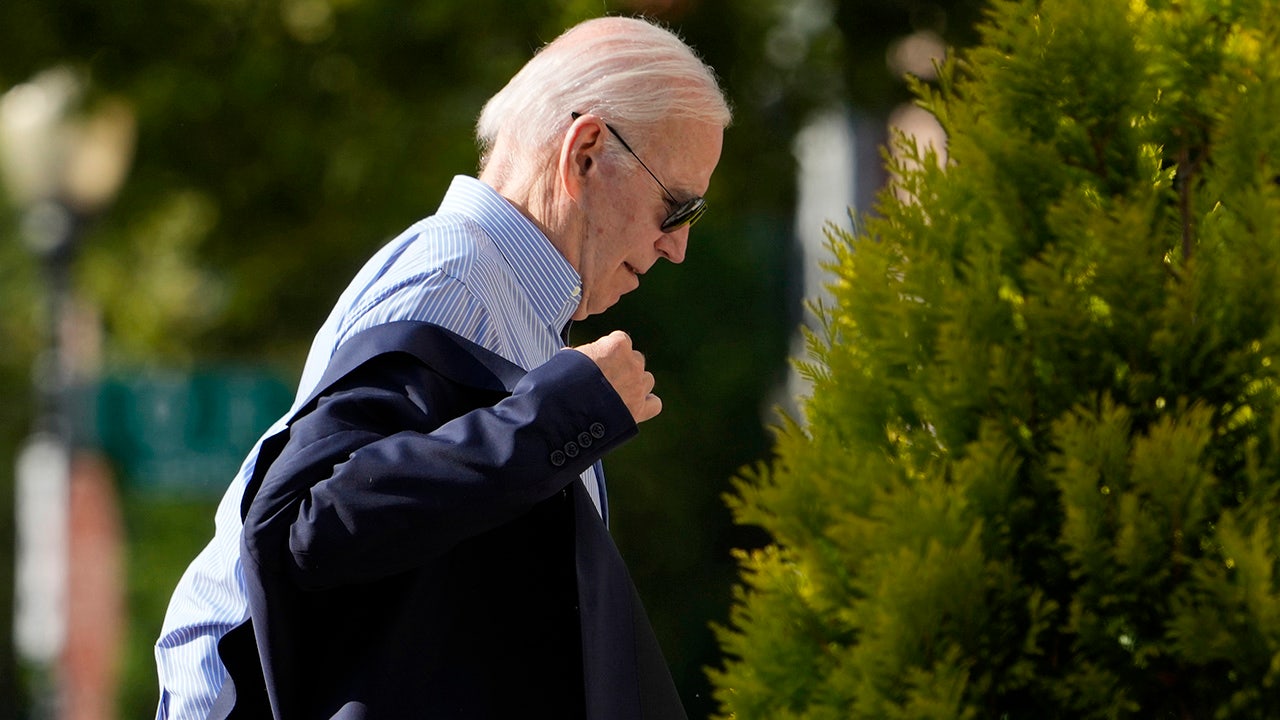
(696, 210)
(686, 214)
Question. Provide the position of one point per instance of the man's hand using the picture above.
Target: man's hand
(623, 367)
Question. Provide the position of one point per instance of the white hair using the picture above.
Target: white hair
(629, 71)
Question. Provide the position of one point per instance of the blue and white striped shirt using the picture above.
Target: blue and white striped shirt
(477, 267)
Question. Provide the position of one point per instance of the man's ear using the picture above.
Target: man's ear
(579, 153)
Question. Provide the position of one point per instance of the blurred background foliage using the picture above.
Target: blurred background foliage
(280, 142)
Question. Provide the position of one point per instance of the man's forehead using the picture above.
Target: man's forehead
(691, 150)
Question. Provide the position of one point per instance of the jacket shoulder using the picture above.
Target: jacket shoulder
(460, 360)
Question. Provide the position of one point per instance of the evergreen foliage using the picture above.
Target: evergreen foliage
(1037, 473)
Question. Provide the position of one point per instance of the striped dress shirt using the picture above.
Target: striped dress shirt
(477, 267)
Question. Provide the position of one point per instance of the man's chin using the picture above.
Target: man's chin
(588, 308)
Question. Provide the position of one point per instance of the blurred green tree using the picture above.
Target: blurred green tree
(1037, 473)
(281, 142)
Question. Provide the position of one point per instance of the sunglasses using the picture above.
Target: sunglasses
(682, 213)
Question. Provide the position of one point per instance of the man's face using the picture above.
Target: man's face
(624, 237)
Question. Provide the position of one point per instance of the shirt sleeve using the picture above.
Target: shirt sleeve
(380, 477)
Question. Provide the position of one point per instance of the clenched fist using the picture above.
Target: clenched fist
(623, 367)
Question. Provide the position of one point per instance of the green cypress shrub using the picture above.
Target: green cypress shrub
(1037, 473)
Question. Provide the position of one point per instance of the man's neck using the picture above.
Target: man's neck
(533, 197)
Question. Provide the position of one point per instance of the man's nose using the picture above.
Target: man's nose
(673, 244)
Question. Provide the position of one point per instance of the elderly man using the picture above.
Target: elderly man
(423, 535)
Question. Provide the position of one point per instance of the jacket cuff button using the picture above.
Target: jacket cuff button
(597, 430)
(571, 449)
(584, 440)
(558, 458)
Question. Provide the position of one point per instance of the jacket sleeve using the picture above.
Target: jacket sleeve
(391, 468)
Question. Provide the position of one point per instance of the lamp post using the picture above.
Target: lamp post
(60, 166)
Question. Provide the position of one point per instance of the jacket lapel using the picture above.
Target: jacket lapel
(625, 674)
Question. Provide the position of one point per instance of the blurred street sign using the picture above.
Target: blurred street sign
(185, 433)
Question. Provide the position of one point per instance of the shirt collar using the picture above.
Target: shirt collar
(553, 286)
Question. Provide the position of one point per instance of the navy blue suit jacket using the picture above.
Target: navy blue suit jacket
(417, 544)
